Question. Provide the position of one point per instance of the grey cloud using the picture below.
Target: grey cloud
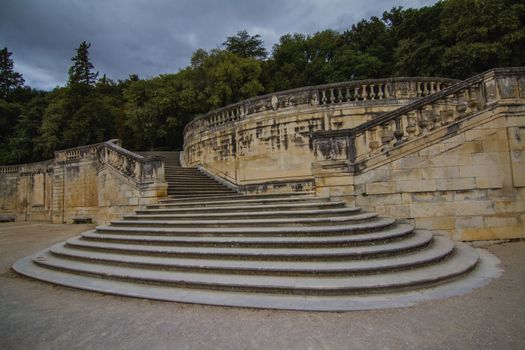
(154, 37)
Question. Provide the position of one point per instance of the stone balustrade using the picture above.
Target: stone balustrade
(321, 95)
(142, 169)
(418, 119)
(100, 181)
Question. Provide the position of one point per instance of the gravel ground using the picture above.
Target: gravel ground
(37, 315)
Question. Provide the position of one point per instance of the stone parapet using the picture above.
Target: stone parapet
(100, 182)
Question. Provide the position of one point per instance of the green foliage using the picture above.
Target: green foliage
(452, 38)
(245, 45)
(81, 72)
(9, 79)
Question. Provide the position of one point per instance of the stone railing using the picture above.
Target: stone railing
(417, 119)
(321, 95)
(142, 169)
(28, 168)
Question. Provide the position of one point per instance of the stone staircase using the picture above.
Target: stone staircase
(188, 182)
(285, 251)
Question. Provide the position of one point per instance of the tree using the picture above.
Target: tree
(81, 72)
(245, 45)
(9, 79)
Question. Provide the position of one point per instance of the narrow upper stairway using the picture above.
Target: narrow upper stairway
(286, 251)
(188, 182)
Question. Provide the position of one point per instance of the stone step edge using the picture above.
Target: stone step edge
(441, 249)
(396, 232)
(248, 213)
(249, 222)
(460, 263)
(419, 240)
(358, 227)
(247, 207)
(484, 272)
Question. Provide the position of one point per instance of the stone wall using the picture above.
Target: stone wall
(458, 171)
(263, 144)
(100, 182)
(450, 160)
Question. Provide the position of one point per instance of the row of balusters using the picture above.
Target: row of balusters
(418, 122)
(333, 95)
(379, 91)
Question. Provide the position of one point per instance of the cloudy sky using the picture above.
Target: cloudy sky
(151, 37)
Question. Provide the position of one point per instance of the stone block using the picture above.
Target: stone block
(481, 170)
(436, 223)
(452, 159)
(434, 209)
(489, 182)
(474, 208)
(456, 184)
(380, 188)
(468, 221)
(445, 172)
(416, 186)
(495, 221)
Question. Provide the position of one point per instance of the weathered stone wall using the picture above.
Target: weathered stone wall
(457, 171)
(26, 191)
(264, 144)
(100, 182)
(451, 161)
(469, 186)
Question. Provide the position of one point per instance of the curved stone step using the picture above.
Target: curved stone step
(278, 222)
(278, 197)
(247, 231)
(395, 232)
(239, 208)
(250, 214)
(457, 264)
(440, 249)
(418, 240)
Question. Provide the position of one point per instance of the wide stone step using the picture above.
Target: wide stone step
(277, 222)
(195, 192)
(244, 208)
(413, 242)
(250, 214)
(232, 199)
(317, 230)
(456, 265)
(387, 234)
(440, 249)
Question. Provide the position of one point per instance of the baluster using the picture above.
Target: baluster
(339, 95)
(425, 89)
(461, 107)
(436, 116)
(418, 92)
(447, 115)
(323, 97)
(411, 128)
(357, 95)
(372, 92)
(432, 88)
(387, 90)
(137, 171)
(424, 119)
(398, 133)
(364, 93)
(380, 91)
(332, 96)
(386, 136)
(373, 144)
(473, 104)
(348, 95)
